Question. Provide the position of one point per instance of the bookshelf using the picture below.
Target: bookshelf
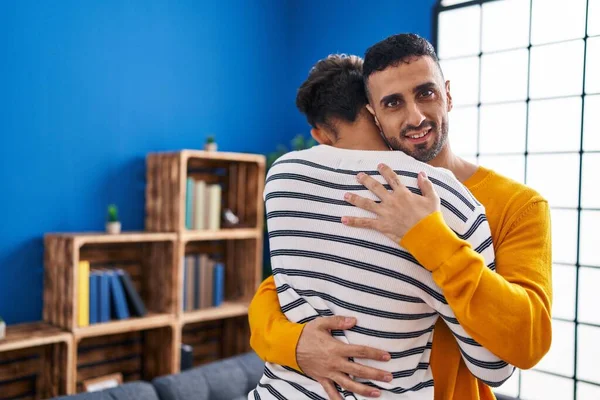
(140, 351)
(34, 361)
(226, 310)
(54, 357)
(149, 258)
(241, 177)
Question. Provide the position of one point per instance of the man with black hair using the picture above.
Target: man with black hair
(507, 311)
(323, 268)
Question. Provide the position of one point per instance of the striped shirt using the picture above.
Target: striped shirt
(322, 268)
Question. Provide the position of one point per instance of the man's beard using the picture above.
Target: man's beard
(423, 152)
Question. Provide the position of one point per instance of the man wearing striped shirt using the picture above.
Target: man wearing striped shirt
(324, 268)
(508, 311)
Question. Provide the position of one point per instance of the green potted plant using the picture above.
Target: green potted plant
(113, 225)
(211, 144)
(2, 328)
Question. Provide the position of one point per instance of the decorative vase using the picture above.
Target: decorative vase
(113, 228)
(210, 146)
(2, 329)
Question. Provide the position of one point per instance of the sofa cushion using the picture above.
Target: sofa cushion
(253, 367)
(227, 379)
(133, 391)
(190, 384)
(128, 391)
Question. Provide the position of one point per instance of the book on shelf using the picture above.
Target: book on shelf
(134, 301)
(94, 297)
(190, 283)
(106, 294)
(83, 301)
(203, 282)
(219, 284)
(187, 357)
(203, 205)
(120, 310)
(199, 206)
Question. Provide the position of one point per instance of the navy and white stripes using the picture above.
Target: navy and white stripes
(322, 267)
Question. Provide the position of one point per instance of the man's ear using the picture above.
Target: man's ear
(371, 109)
(448, 96)
(320, 136)
(374, 116)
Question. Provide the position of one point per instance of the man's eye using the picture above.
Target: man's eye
(392, 103)
(427, 93)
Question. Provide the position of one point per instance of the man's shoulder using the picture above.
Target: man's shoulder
(298, 155)
(498, 192)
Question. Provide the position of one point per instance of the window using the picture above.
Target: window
(526, 83)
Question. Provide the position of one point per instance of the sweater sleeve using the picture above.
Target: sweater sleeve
(272, 336)
(508, 312)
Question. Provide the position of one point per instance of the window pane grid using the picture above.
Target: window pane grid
(575, 208)
(539, 153)
(558, 375)
(592, 325)
(527, 99)
(578, 262)
(578, 45)
(508, 50)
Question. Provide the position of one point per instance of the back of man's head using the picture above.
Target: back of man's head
(334, 90)
(394, 50)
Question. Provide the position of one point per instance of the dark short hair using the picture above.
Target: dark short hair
(333, 90)
(394, 50)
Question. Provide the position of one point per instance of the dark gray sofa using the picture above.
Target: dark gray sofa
(128, 391)
(229, 379)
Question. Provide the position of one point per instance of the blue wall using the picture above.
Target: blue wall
(88, 88)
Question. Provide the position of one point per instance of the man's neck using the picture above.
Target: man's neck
(461, 168)
(359, 135)
(352, 144)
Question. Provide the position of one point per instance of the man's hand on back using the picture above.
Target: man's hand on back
(325, 359)
(399, 209)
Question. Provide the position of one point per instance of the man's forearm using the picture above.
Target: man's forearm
(273, 337)
(494, 307)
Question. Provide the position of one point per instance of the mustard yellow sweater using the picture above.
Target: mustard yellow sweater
(507, 311)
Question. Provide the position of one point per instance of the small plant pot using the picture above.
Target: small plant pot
(210, 146)
(2, 330)
(113, 228)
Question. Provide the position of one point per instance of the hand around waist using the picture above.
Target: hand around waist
(326, 359)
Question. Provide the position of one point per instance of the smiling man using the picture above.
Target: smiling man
(507, 311)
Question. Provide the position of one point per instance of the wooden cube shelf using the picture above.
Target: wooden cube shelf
(241, 177)
(34, 362)
(242, 259)
(141, 354)
(149, 258)
(227, 310)
(216, 339)
(55, 357)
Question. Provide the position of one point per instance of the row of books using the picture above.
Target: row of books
(203, 282)
(105, 295)
(203, 205)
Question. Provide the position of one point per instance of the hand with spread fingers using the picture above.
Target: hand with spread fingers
(326, 359)
(399, 209)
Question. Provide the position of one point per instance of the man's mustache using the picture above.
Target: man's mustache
(424, 125)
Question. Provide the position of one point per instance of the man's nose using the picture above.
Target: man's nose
(415, 116)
